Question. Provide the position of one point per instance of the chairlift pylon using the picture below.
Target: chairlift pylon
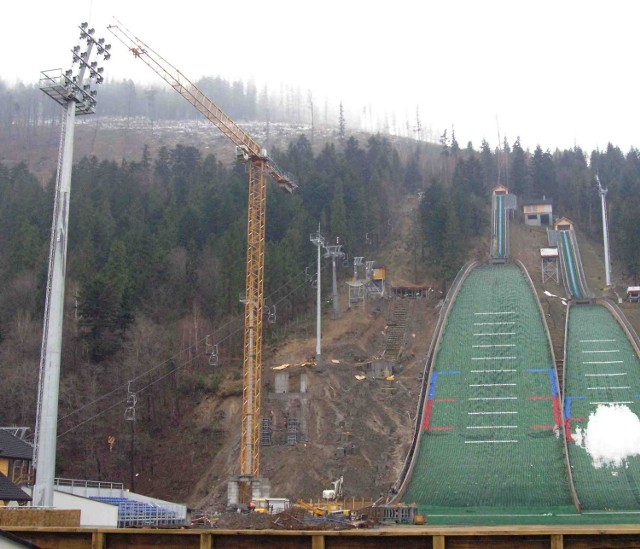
(271, 314)
(132, 400)
(213, 356)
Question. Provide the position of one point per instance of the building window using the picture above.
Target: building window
(532, 216)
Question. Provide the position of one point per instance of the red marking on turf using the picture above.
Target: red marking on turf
(567, 430)
(557, 414)
(427, 415)
(426, 424)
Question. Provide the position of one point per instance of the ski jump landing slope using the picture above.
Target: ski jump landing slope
(492, 437)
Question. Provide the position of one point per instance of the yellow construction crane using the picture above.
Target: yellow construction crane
(260, 164)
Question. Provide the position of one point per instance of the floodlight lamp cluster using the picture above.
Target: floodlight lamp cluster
(77, 87)
(82, 58)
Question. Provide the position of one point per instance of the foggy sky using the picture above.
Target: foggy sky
(556, 73)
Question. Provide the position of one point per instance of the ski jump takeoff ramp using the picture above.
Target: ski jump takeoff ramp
(491, 439)
(500, 229)
(573, 276)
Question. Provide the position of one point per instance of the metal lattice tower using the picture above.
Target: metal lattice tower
(72, 90)
(260, 164)
(550, 271)
(357, 261)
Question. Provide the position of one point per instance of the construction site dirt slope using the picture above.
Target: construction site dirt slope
(355, 405)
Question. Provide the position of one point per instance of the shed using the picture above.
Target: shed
(563, 224)
(500, 189)
(633, 294)
(537, 211)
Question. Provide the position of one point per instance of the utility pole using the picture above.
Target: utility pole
(68, 90)
(334, 252)
(319, 241)
(130, 415)
(605, 231)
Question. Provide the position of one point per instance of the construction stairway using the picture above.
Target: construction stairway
(396, 329)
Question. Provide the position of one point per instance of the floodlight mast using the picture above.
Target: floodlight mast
(76, 98)
(247, 150)
(605, 231)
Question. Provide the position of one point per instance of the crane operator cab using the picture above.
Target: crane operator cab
(242, 154)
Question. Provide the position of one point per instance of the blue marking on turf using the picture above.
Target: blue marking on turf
(553, 379)
(567, 405)
(434, 381)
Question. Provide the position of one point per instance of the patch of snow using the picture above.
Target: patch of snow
(611, 437)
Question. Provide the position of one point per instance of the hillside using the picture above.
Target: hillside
(184, 443)
(188, 411)
(372, 418)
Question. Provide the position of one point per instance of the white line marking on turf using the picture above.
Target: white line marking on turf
(493, 345)
(489, 413)
(603, 375)
(605, 388)
(497, 334)
(605, 362)
(494, 358)
(493, 385)
(493, 398)
(612, 402)
(491, 323)
(498, 313)
(609, 351)
(596, 340)
(492, 427)
(482, 371)
(487, 441)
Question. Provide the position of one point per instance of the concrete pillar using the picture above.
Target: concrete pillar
(282, 382)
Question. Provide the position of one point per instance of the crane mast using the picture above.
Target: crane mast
(259, 166)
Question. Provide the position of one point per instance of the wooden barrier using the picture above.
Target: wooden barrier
(26, 516)
(527, 537)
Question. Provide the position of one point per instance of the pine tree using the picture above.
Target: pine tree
(519, 179)
(342, 126)
(338, 222)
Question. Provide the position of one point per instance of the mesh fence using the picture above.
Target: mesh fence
(491, 419)
(602, 368)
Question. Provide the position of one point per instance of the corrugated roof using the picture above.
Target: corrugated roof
(10, 492)
(12, 447)
(536, 201)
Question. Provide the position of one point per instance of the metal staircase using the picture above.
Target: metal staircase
(396, 329)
